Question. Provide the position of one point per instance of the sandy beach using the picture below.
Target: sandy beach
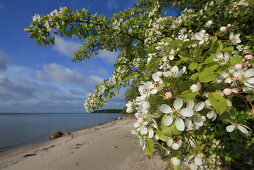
(104, 147)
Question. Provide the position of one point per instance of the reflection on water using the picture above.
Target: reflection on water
(22, 129)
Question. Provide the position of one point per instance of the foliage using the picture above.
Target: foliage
(194, 71)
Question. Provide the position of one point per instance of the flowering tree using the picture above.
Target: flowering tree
(194, 71)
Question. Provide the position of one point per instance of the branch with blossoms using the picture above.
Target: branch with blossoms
(171, 116)
(193, 72)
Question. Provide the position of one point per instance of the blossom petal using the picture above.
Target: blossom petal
(146, 105)
(249, 73)
(193, 166)
(229, 103)
(168, 120)
(154, 91)
(198, 161)
(136, 124)
(198, 121)
(242, 129)
(169, 142)
(199, 106)
(251, 81)
(175, 146)
(150, 133)
(178, 103)
(230, 128)
(174, 69)
(167, 74)
(210, 114)
(190, 104)
(187, 112)
(175, 161)
(164, 108)
(207, 103)
(180, 124)
(129, 110)
(134, 132)
(143, 130)
(188, 124)
(180, 73)
(142, 143)
(149, 85)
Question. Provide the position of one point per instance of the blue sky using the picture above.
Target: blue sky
(44, 79)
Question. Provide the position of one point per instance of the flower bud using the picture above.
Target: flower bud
(229, 25)
(203, 118)
(159, 73)
(238, 66)
(173, 36)
(190, 31)
(168, 95)
(248, 57)
(140, 120)
(223, 29)
(194, 88)
(157, 137)
(235, 78)
(227, 91)
(201, 155)
(243, 64)
(209, 23)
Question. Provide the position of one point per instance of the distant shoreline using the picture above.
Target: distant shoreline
(108, 111)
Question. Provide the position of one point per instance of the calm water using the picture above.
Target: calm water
(22, 129)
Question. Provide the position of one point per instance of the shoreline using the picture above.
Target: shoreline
(107, 146)
(9, 148)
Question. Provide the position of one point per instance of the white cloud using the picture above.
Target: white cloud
(102, 71)
(107, 56)
(111, 4)
(20, 91)
(66, 47)
(95, 80)
(60, 73)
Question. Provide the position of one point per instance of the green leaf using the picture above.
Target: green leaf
(236, 60)
(194, 76)
(151, 66)
(151, 50)
(161, 136)
(210, 59)
(190, 43)
(222, 69)
(154, 98)
(167, 39)
(197, 53)
(228, 49)
(193, 66)
(149, 147)
(175, 131)
(188, 95)
(27, 29)
(218, 102)
(165, 129)
(207, 74)
(252, 61)
(229, 114)
(177, 167)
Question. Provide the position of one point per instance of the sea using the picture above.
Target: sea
(21, 129)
